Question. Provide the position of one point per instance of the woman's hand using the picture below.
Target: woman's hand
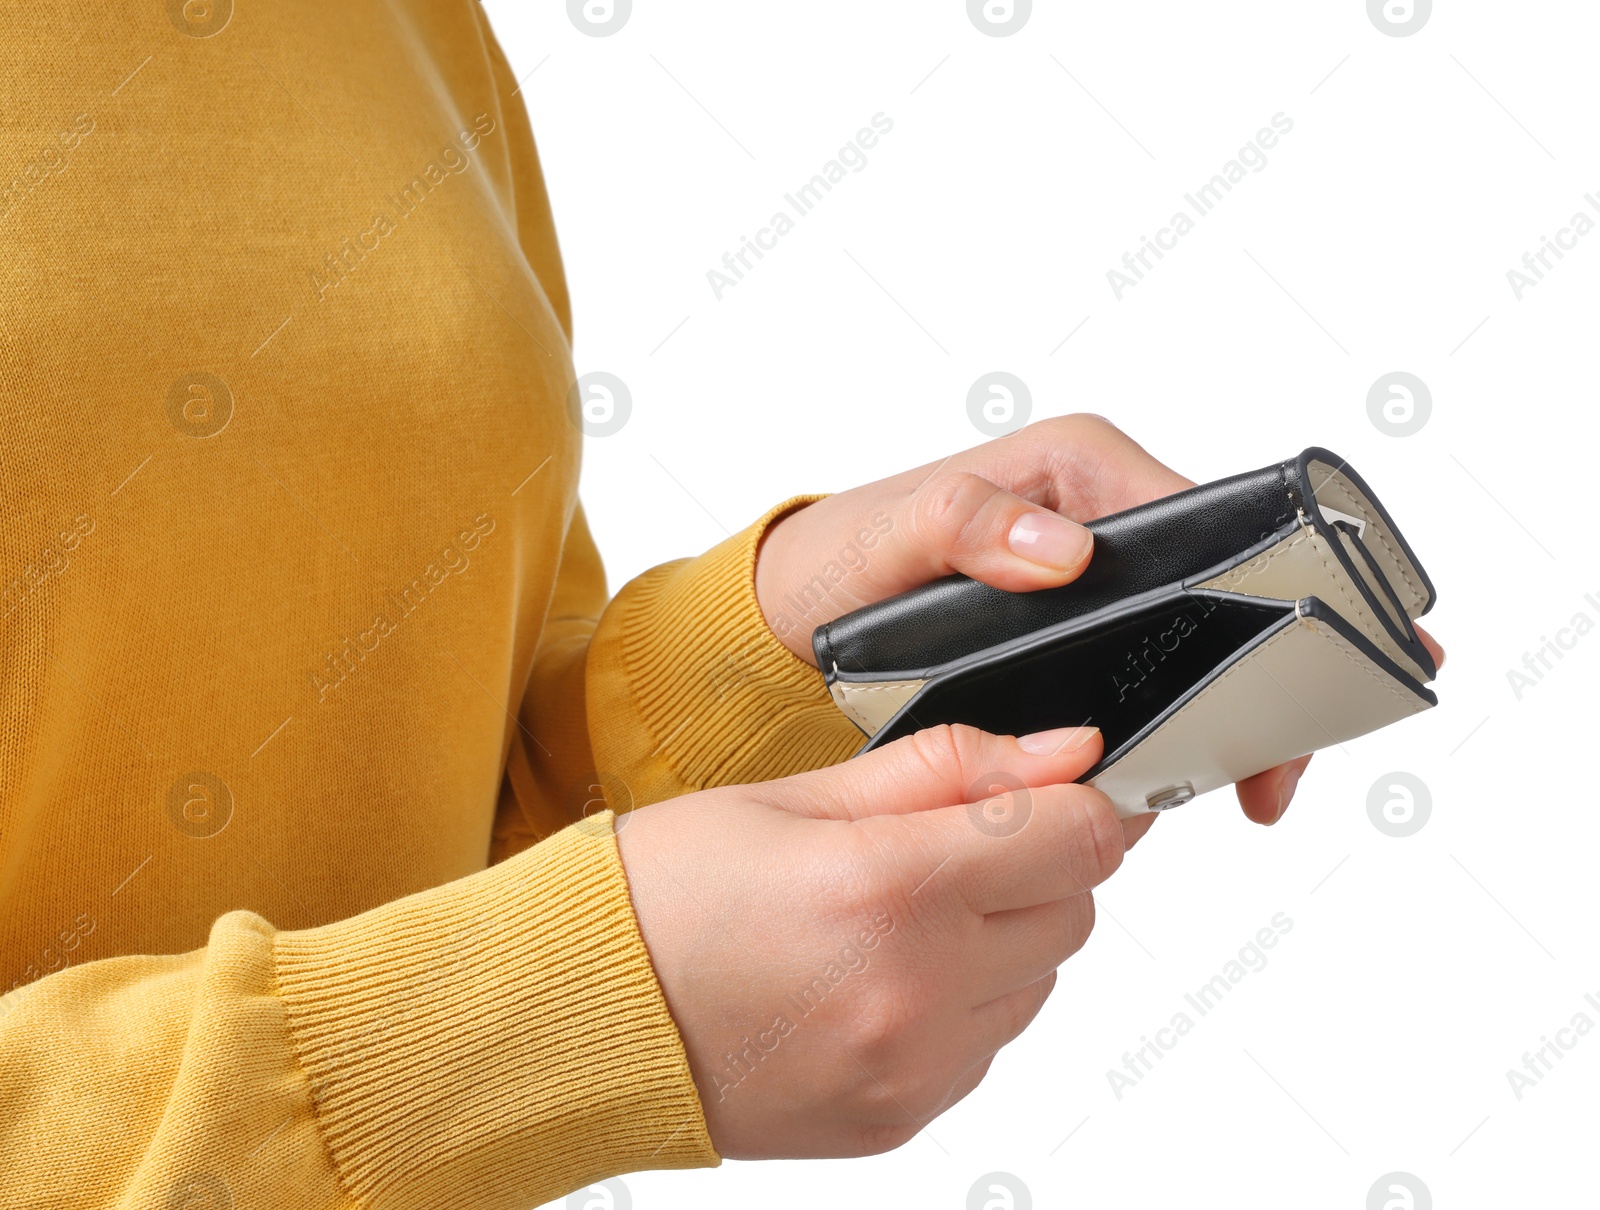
(1006, 513)
(844, 951)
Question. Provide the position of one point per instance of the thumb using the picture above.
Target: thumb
(951, 521)
(959, 521)
(938, 767)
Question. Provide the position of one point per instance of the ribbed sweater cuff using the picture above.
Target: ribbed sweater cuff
(685, 658)
(500, 1040)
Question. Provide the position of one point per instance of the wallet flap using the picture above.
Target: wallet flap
(1325, 480)
(1312, 683)
(1307, 563)
(1137, 552)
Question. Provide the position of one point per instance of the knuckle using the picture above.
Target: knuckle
(967, 742)
(946, 749)
(975, 1077)
(1057, 432)
(1090, 422)
(1077, 926)
(969, 1082)
(876, 1026)
(1062, 935)
(1029, 1006)
(1062, 932)
(950, 503)
(858, 883)
(1047, 987)
(1099, 833)
(877, 1138)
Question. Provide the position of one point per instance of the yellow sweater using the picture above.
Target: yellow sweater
(305, 656)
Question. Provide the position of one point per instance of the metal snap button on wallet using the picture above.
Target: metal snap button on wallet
(1216, 633)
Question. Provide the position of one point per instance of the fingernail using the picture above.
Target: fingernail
(1291, 779)
(1050, 540)
(1062, 739)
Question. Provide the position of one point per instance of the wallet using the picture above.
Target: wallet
(1215, 633)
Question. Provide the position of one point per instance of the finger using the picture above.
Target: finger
(938, 767)
(1001, 1021)
(1432, 644)
(1022, 946)
(968, 1081)
(959, 514)
(1265, 797)
(1028, 846)
(961, 521)
(1094, 468)
(1135, 826)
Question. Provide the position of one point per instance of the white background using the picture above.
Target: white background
(1377, 238)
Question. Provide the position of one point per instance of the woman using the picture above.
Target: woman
(312, 700)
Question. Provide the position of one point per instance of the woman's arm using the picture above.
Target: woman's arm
(843, 952)
(676, 684)
(499, 1041)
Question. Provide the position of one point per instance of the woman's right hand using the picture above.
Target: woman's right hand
(844, 951)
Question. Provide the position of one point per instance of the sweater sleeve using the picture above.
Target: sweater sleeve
(500, 1039)
(674, 685)
(687, 686)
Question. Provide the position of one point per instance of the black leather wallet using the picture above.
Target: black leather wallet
(1216, 633)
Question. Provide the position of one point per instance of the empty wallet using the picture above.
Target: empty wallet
(1216, 633)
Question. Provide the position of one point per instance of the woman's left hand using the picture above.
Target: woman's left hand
(1006, 513)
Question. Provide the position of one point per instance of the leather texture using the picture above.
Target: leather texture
(870, 706)
(1170, 641)
(1135, 551)
(1309, 683)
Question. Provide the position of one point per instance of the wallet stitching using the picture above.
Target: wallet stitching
(1355, 657)
(1364, 507)
(1374, 577)
(849, 709)
(1195, 703)
(1368, 514)
(1348, 651)
(1239, 574)
(1380, 639)
(851, 713)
